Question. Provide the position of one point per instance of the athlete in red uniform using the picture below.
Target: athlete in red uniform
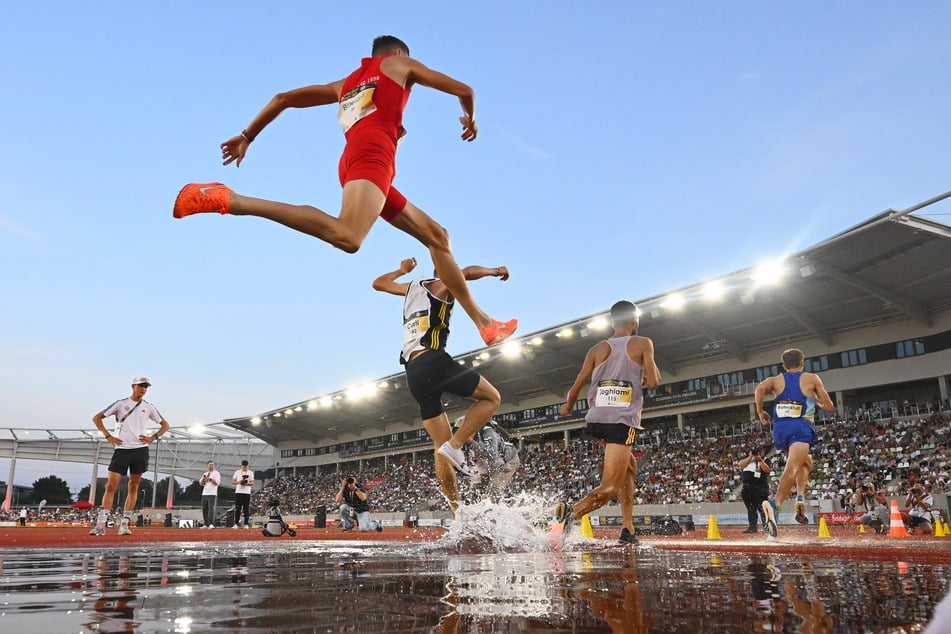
(370, 109)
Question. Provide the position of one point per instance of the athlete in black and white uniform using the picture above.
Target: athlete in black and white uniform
(430, 371)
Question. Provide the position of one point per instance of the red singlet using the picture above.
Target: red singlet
(371, 114)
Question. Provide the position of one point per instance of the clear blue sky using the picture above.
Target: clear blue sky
(625, 149)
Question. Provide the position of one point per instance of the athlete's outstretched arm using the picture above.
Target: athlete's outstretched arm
(478, 272)
(236, 147)
(387, 283)
(408, 71)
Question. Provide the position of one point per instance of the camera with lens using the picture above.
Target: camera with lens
(244, 479)
(864, 488)
(350, 480)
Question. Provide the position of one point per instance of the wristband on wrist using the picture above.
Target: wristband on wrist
(247, 136)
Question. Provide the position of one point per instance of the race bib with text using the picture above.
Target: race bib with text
(614, 394)
(355, 105)
(789, 409)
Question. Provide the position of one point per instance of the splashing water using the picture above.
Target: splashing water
(513, 525)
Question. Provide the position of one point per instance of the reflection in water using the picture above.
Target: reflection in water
(340, 587)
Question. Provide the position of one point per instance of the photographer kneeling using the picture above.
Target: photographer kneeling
(755, 479)
(354, 506)
(919, 503)
(876, 514)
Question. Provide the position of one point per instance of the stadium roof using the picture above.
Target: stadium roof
(893, 267)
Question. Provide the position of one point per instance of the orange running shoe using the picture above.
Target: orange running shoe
(197, 198)
(498, 331)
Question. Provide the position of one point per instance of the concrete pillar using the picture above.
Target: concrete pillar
(94, 478)
(170, 498)
(680, 423)
(943, 390)
(840, 403)
(8, 497)
(155, 477)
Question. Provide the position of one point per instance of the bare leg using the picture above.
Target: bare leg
(418, 224)
(798, 460)
(616, 465)
(626, 496)
(133, 494)
(112, 484)
(360, 207)
(439, 430)
(487, 401)
(802, 476)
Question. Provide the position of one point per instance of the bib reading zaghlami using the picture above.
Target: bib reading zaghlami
(615, 394)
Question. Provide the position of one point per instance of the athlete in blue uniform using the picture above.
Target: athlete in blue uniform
(794, 408)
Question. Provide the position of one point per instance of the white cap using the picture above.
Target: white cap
(142, 379)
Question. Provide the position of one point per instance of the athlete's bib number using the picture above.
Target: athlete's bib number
(614, 394)
(415, 326)
(789, 409)
(355, 105)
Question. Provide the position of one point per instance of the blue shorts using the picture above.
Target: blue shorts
(791, 431)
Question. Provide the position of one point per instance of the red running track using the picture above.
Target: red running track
(845, 542)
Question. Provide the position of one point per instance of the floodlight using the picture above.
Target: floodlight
(510, 349)
(713, 290)
(325, 401)
(565, 333)
(598, 323)
(256, 420)
(674, 301)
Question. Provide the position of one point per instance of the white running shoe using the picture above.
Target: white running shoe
(246, 526)
(124, 526)
(235, 526)
(211, 526)
(455, 456)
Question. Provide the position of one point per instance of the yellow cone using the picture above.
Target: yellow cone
(940, 528)
(861, 528)
(823, 528)
(586, 530)
(712, 531)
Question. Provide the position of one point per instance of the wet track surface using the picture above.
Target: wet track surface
(443, 586)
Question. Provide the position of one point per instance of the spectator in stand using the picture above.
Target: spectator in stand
(755, 478)
(919, 503)
(354, 506)
(243, 481)
(210, 480)
(875, 505)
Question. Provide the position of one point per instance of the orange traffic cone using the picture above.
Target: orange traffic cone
(896, 527)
